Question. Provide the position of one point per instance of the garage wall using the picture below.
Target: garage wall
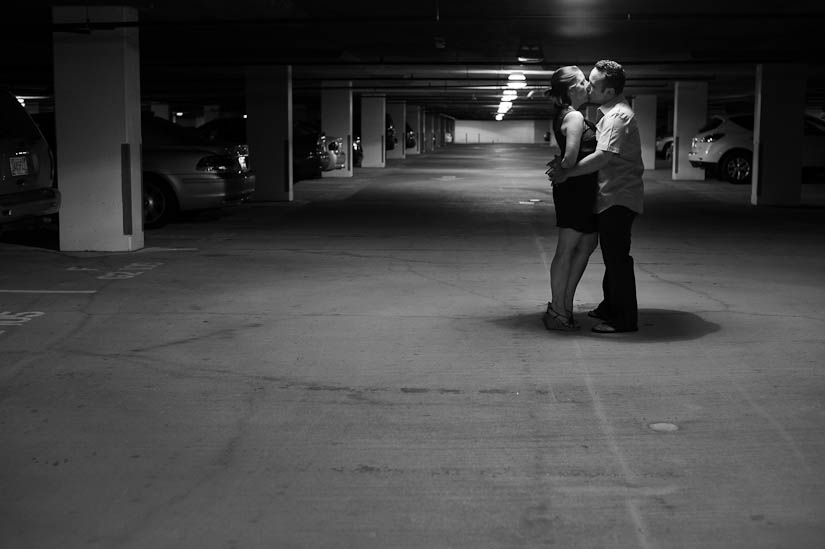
(472, 132)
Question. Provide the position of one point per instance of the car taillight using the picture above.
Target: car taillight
(712, 137)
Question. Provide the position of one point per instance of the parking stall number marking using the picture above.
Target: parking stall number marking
(7, 318)
(130, 271)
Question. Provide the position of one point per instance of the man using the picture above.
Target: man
(618, 159)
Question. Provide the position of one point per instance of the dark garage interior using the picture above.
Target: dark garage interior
(360, 361)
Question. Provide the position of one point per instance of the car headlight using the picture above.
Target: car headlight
(712, 137)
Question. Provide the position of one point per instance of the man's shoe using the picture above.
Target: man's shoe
(605, 328)
(595, 313)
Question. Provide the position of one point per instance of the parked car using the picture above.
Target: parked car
(357, 152)
(332, 152)
(724, 146)
(27, 187)
(664, 147)
(409, 137)
(306, 160)
(182, 171)
(390, 136)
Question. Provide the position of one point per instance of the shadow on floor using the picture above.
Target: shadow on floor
(655, 325)
(36, 235)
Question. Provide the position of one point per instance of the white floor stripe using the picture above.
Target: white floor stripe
(48, 291)
(631, 502)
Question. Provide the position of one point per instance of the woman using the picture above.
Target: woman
(575, 198)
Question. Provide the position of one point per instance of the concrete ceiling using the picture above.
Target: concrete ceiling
(449, 56)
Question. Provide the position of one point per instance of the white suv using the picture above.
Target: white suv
(724, 146)
(26, 166)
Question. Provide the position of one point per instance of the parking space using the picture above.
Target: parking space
(366, 367)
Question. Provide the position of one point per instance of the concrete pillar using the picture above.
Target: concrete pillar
(269, 131)
(336, 120)
(373, 131)
(97, 117)
(431, 128)
(779, 120)
(449, 134)
(690, 112)
(425, 128)
(414, 119)
(398, 112)
(645, 108)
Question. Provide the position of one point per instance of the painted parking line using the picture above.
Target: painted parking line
(48, 291)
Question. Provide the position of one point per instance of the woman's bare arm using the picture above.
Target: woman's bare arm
(572, 127)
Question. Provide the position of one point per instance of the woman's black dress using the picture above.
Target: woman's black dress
(575, 198)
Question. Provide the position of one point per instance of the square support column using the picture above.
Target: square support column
(690, 111)
(430, 127)
(336, 120)
(398, 112)
(779, 120)
(423, 137)
(269, 131)
(414, 119)
(97, 119)
(373, 131)
(645, 108)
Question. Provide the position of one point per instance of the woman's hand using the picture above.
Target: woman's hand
(555, 173)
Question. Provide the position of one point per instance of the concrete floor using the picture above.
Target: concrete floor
(366, 368)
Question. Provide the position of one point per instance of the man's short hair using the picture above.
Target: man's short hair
(613, 74)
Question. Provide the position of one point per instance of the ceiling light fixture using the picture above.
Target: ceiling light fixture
(530, 53)
(516, 80)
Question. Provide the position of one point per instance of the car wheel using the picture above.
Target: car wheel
(736, 167)
(668, 152)
(160, 205)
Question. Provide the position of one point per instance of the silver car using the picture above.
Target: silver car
(724, 146)
(182, 170)
(26, 168)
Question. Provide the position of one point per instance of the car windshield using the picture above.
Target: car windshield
(16, 122)
(744, 120)
(225, 130)
(814, 126)
(157, 131)
(711, 124)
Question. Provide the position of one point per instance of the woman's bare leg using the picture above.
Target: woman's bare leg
(585, 246)
(560, 267)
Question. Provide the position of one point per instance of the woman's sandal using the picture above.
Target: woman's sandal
(555, 321)
(572, 320)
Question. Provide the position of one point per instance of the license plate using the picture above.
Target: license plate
(19, 166)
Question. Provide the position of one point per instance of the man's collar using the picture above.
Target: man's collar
(605, 107)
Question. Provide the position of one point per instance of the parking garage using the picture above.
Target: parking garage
(358, 359)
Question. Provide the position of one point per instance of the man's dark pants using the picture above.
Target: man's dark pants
(619, 307)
